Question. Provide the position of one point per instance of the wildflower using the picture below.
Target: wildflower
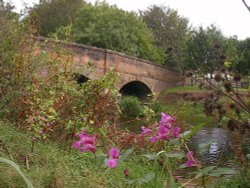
(112, 163)
(177, 178)
(163, 132)
(176, 132)
(33, 139)
(82, 133)
(114, 153)
(191, 161)
(88, 147)
(88, 139)
(146, 131)
(86, 143)
(41, 132)
(153, 139)
(166, 120)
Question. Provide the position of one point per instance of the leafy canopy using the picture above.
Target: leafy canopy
(106, 26)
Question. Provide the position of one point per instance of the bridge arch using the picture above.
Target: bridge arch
(136, 88)
(80, 78)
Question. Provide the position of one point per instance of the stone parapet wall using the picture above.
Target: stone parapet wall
(94, 62)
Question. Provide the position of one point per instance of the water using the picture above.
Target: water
(211, 144)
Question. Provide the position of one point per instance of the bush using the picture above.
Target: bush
(131, 106)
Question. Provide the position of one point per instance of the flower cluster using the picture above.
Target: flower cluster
(165, 130)
(86, 143)
(112, 162)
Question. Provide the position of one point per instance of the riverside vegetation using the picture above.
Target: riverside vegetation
(55, 132)
(67, 132)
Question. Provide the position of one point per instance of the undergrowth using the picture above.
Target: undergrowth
(51, 166)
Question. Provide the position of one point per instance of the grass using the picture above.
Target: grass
(52, 166)
(193, 89)
(182, 89)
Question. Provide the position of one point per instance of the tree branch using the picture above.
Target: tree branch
(248, 7)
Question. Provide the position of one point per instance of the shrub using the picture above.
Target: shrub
(131, 106)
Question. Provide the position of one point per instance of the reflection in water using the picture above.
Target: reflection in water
(211, 145)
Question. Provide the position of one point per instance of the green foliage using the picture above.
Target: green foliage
(50, 102)
(50, 15)
(50, 165)
(170, 31)
(106, 26)
(16, 167)
(131, 106)
(12, 48)
(243, 65)
(201, 52)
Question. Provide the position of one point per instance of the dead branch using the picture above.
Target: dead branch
(248, 7)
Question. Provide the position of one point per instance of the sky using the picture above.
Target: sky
(231, 16)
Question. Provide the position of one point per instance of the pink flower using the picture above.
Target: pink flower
(176, 132)
(82, 133)
(146, 131)
(88, 139)
(166, 120)
(114, 153)
(177, 178)
(163, 132)
(86, 143)
(77, 144)
(153, 139)
(112, 163)
(88, 147)
(191, 161)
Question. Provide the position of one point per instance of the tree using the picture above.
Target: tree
(50, 15)
(243, 65)
(170, 31)
(232, 52)
(10, 32)
(203, 49)
(106, 26)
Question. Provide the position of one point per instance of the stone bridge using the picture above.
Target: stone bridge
(137, 76)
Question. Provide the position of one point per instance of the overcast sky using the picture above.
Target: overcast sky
(231, 16)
